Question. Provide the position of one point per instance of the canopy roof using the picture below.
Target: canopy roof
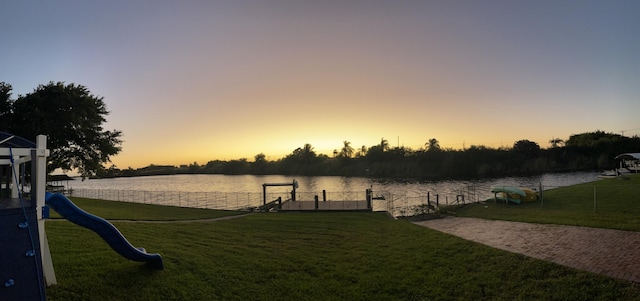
(628, 156)
(8, 140)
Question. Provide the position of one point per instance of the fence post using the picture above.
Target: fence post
(541, 196)
(316, 199)
(324, 195)
(594, 199)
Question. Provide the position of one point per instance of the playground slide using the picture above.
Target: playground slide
(102, 227)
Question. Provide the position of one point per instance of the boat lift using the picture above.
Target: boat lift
(293, 184)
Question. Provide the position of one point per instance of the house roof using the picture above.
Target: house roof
(9, 140)
(628, 156)
(59, 177)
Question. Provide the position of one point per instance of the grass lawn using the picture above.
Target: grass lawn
(113, 210)
(616, 206)
(303, 256)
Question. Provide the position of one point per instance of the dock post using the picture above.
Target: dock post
(279, 202)
(316, 199)
(264, 194)
(293, 192)
(369, 193)
(324, 195)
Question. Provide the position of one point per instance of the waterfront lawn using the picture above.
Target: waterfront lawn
(113, 210)
(309, 256)
(616, 206)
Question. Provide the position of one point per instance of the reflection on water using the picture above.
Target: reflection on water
(232, 192)
(315, 185)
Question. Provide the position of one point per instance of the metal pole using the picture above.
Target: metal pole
(594, 199)
(541, 196)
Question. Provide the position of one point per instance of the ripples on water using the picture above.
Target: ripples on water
(253, 183)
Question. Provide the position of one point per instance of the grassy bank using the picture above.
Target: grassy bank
(607, 203)
(306, 256)
(112, 210)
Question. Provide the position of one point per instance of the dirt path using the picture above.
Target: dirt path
(613, 253)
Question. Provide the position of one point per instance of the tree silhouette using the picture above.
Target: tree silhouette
(5, 106)
(555, 142)
(526, 148)
(259, 164)
(363, 151)
(305, 154)
(308, 152)
(72, 118)
(432, 145)
(347, 150)
(384, 144)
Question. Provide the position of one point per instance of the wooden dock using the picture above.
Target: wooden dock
(324, 206)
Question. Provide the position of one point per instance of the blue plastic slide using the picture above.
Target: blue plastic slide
(102, 227)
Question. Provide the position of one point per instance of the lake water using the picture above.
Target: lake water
(240, 191)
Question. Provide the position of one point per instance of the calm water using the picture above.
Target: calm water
(315, 185)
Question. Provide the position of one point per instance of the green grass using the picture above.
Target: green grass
(617, 206)
(113, 210)
(308, 256)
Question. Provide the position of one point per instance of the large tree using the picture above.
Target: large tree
(526, 149)
(72, 118)
(5, 105)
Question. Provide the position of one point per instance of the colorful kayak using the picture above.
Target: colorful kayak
(502, 199)
(508, 189)
(513, 194)
(531, 195)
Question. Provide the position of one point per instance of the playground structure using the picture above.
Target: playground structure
(26, 261)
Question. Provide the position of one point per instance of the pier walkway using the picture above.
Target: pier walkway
(324, 206)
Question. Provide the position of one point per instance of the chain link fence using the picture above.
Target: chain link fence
(594, 198)
(602, 199)
(216, 200)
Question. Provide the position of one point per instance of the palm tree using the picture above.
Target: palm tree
(384, 144)
(555, 142)
(432, 145)
(307, 151)
(347, 150)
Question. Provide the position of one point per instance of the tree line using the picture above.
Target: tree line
(72, 118)
(586, 151)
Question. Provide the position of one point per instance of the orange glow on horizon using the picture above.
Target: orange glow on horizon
(275, 150)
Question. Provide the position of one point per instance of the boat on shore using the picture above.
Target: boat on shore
(629, 163)
(512, 194)
(614, 173)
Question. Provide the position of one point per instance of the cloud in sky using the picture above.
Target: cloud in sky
(203, 80)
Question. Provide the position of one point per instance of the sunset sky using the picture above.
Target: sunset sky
(196, 81)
